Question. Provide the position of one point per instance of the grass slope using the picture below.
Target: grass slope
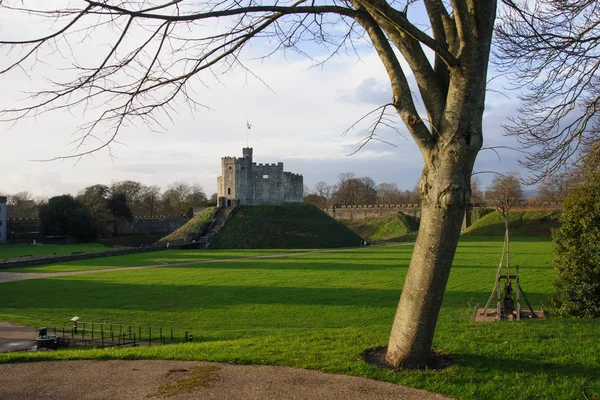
(521, 223)
(285, 227)
(322, 310)
(193, 225)
(10, 251)
(385, 228)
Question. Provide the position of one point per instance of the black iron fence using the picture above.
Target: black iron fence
(102, 334)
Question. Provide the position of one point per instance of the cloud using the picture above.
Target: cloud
(370, 91)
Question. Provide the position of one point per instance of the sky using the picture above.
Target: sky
(299, 114)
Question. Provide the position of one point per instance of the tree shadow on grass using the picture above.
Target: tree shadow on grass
(88, 293)
(509, 365)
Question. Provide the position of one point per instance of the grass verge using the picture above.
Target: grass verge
(521, 223)
(394, 227)
(10, 251)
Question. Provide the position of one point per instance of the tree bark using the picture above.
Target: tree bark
(445, 193)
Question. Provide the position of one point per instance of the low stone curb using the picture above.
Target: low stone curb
(51, 259)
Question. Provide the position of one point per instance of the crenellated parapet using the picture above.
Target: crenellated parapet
(245, 182)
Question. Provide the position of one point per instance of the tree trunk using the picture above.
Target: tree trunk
(445, 194)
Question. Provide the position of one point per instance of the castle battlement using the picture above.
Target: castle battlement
(258, 183)
(268, 165)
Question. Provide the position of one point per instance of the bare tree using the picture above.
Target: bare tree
(149, 199)
(351, 190)
(551, 48)
(505, 192)
(323, 189)
(555, 188)
(476, 192)
(161, 47)
(21, 205)
(133, 191)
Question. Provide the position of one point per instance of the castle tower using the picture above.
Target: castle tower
(3, 220)
(247, 153)
(244, 182)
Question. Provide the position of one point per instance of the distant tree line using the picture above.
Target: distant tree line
(179, 198)
(97, 209)
(350, 189)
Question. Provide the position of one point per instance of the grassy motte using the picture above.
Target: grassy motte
(385, 228)
(298, 226)
(322, 310)
(193, 225)
(521, 223)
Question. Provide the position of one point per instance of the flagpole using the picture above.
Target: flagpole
(248, 126)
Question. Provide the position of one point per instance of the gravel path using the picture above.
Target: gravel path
(143, 379)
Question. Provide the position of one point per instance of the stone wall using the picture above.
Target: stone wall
(24, 228)
(2, 219)
(293, 188)
(351, 212)
(267, 184)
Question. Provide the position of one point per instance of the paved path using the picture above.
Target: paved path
(20, 276)
(143, 379)
(15, 337)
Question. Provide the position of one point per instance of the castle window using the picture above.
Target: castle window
(265, 176)
(243, 168)
(228, 190)
(230, 167)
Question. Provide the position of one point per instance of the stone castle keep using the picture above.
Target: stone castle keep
(244, 182)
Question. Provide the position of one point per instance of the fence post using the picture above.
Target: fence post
(92, 331)
(149, 336)
(134, 339)
(161, 337)
(102, 333)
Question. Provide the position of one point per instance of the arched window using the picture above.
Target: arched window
(228, 190)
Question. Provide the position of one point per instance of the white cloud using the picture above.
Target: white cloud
(298, 119)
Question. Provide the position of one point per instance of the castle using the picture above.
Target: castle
(244, 182)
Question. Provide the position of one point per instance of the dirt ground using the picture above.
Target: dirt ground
(146, 379)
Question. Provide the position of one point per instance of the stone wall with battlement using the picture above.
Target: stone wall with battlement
(349, 212)
(26, 228)
(2, 219)
(248, 183)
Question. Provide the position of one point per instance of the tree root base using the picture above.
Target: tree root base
(376, 357)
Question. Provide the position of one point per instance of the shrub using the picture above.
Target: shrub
(63, 215)
(577, 252)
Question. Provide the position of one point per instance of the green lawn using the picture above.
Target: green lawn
(151, 258)
(9, 251)
(322, 310)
